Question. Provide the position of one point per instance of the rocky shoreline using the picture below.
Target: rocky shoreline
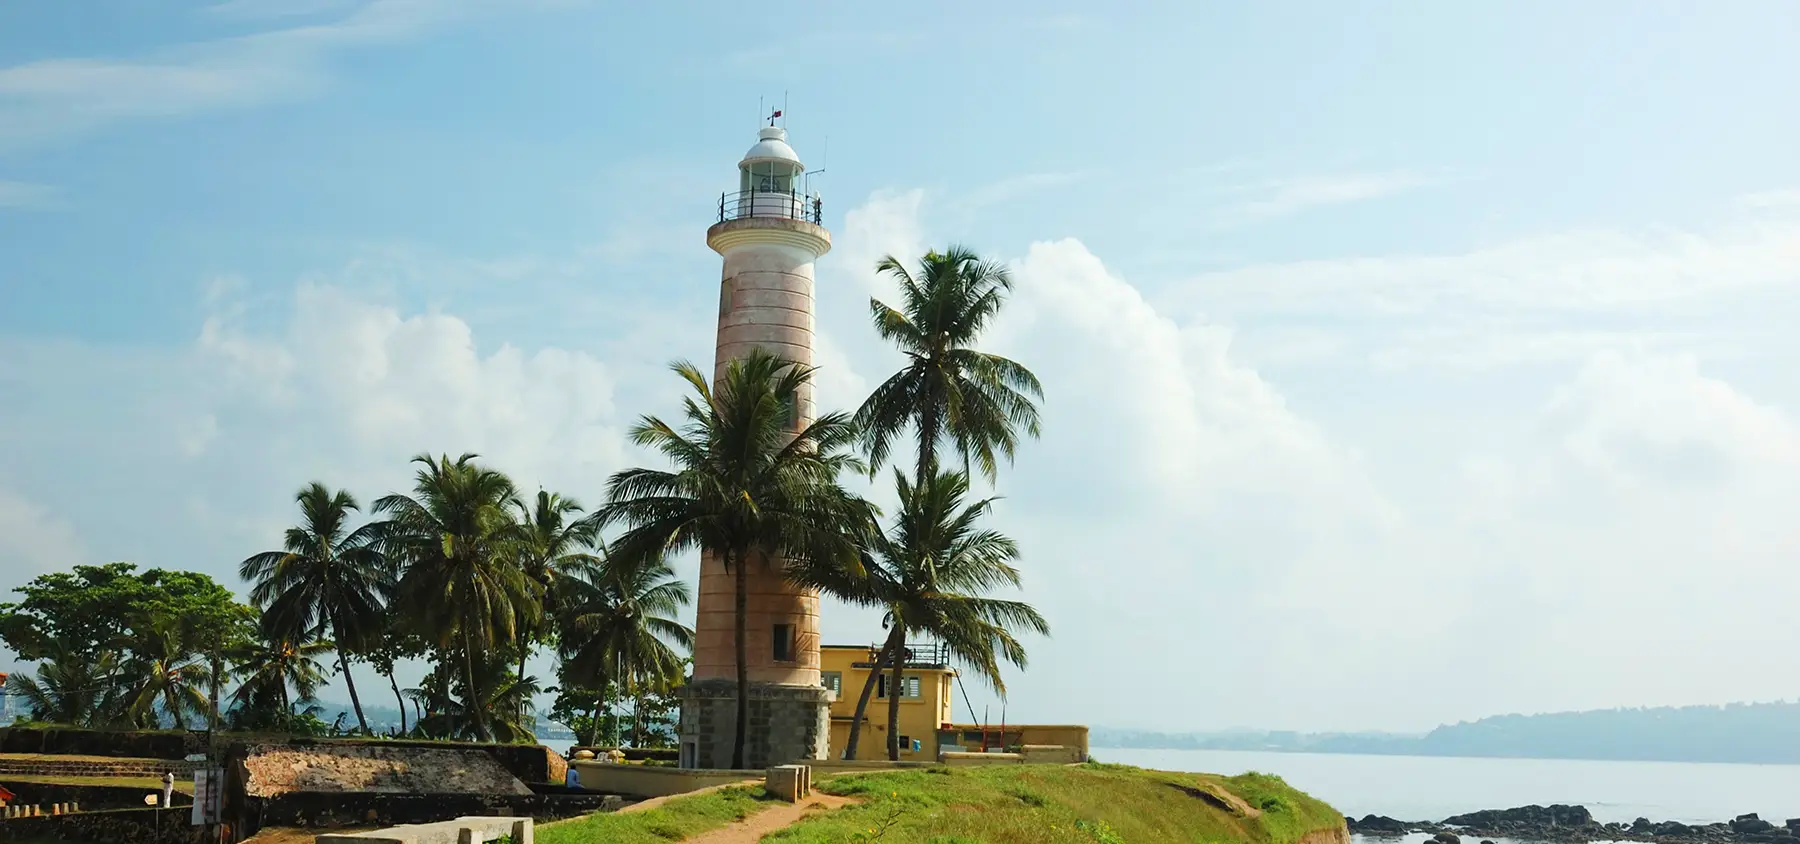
(1575, 825)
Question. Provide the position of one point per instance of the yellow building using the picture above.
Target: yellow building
(925, 701)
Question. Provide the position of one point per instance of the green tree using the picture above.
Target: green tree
(617, 625)
(931, 570)
(462, 588)
(327, 579)
(109, 607)
(397, 642)
(496, 708)
(274, 673)
(744, 483)
(979, 402)
(166, 669)
(556, 540)
(74, 686)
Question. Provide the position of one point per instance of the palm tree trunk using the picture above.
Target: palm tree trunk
(398, 700)
(899, 662)
(593, 737)
(740, 608)
(477, 712)
(212, 695)
(862, 702)
(637, 717)
(931, 417)
(349, 683)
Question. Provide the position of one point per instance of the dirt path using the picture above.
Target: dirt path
(752, 829)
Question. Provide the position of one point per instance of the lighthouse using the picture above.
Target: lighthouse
(769, 234)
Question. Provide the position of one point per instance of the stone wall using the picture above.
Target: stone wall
(140, 744)
(343, 767)
(120, 826)
(91, 797)
(316, 810)
(51, 767)
(786, 723)
(528, 762)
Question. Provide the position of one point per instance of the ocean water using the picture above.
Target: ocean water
(1419, 788)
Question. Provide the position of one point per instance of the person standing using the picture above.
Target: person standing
(168, 788)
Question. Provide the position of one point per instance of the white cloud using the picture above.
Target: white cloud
(51, 98)
(1287, 197)
(33, 540)
(1198, 540)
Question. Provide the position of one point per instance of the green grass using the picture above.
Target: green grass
(149, 784)
(1087, 804)
(680, 818)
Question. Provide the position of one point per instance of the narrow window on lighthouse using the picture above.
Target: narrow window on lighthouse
(725, 297)
(784, 643)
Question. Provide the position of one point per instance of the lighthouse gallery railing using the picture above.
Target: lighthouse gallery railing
(784, 206)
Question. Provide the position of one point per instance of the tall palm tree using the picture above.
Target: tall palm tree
(73, 686)
(463, 586)
(556, 541)
(932, 569)
(326, 579)
(980, 402)
(166, 669)
(268, 668)
(744, 483)
(617, 623)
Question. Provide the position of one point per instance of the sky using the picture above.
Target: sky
(1405, 363)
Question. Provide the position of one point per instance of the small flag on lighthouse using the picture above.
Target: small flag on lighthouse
(776, 114)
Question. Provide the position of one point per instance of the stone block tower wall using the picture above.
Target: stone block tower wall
(769, 239)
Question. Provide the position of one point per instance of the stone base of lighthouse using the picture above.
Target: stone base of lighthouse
(787, 724)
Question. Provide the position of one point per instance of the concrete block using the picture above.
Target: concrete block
(469, 830)
(792, 783)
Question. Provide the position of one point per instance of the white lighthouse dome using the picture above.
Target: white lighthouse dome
(771, 145)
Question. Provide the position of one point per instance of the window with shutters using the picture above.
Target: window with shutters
(833, 680)
(909, 686)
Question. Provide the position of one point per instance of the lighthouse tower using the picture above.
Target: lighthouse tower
(769, 235)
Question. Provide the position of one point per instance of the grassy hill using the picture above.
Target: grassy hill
(1002, 804)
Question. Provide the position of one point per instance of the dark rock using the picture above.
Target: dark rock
(1670, 829)
(1529, 817)
(1750, 824)
(1446, 838)
(1641, 825)
(1377, 824)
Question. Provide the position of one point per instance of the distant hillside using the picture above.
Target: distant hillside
(1736, 732)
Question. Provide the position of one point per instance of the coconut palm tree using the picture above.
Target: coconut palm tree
(932, 570)
(166, 669)
(981, 403)
(463, 587)
(266, 671)
(73, 686)
(556, 541)
(617, 624)
(744, 483)
(327, 579)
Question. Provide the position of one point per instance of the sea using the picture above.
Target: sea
(1421, 788)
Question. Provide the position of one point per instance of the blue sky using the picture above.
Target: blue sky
(1384, 341)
